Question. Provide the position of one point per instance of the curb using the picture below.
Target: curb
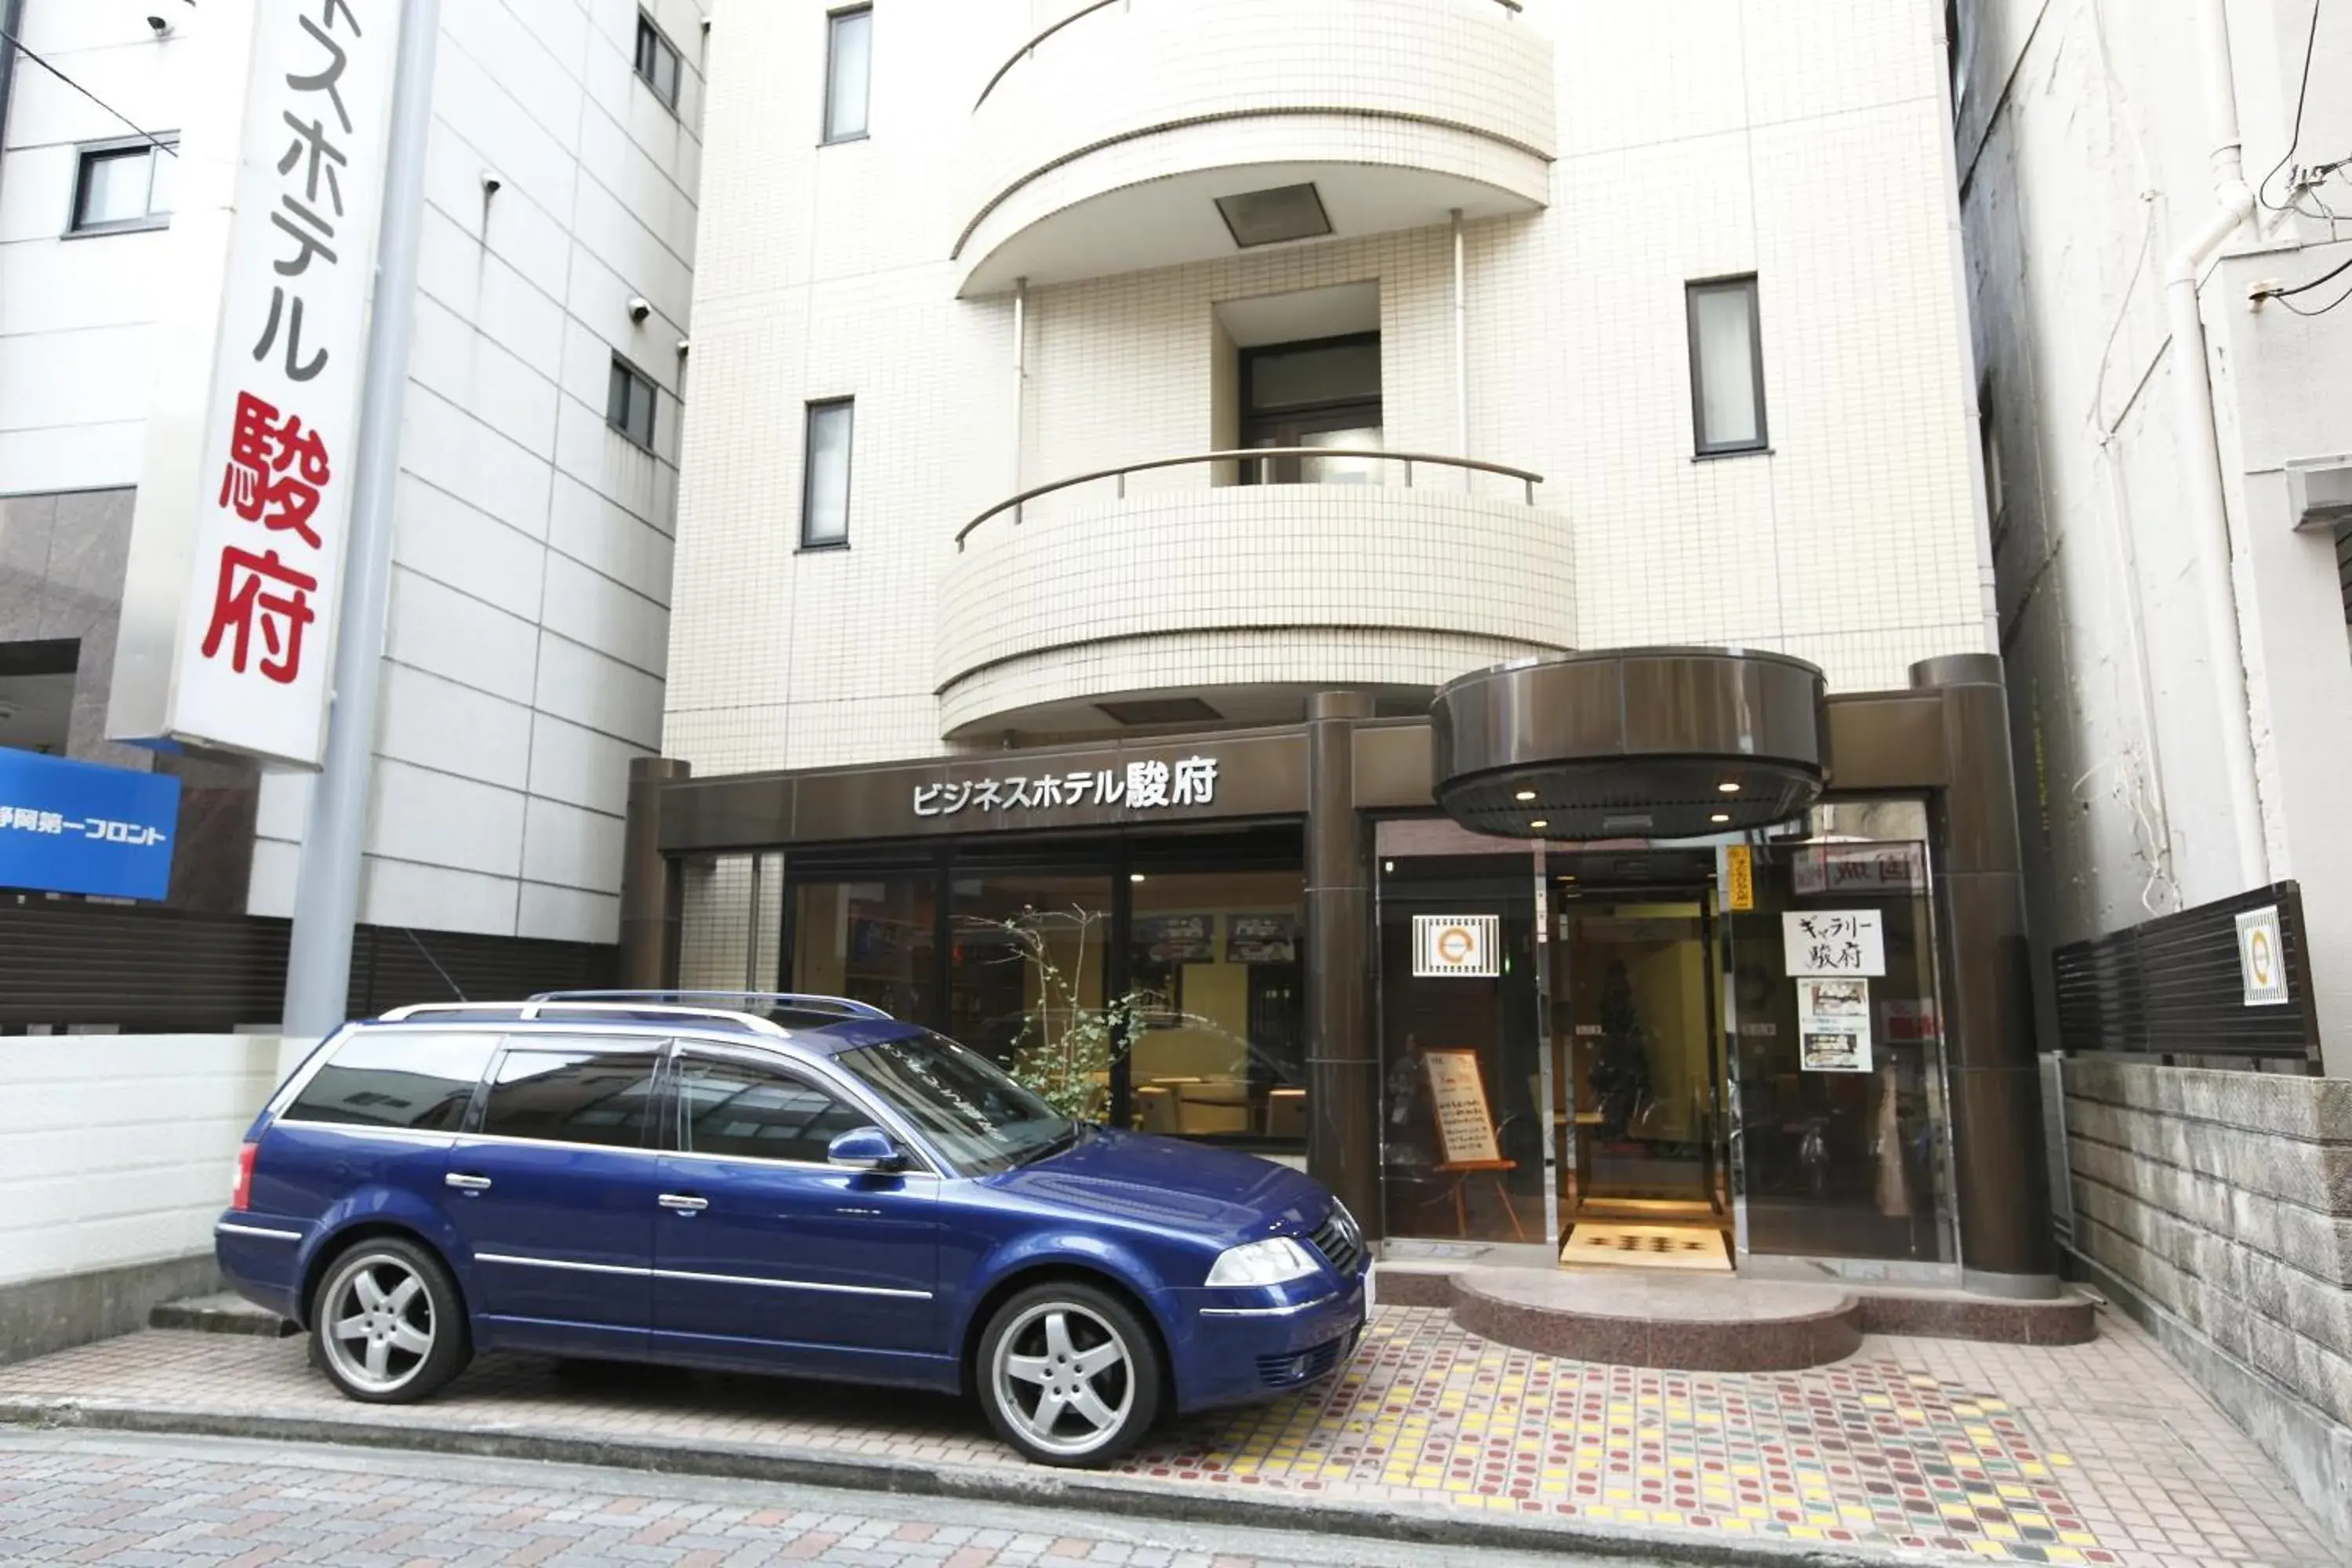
(1036, 1488)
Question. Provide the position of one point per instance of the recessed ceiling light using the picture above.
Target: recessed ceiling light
(1270, 217)
(1721, 816)
(1728, 786)
(1538, 822)
(1527, 795)
(1134, 876)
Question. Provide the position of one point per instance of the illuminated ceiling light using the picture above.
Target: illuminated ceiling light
(1134, 876)
(1728, 786)
(1721, 816)
(1538, 822)
(1527, 795)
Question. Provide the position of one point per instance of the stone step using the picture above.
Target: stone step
(218, 1314)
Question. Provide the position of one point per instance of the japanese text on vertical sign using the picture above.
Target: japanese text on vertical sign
(284, 406)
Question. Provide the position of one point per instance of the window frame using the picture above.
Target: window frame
(649, 29)
(826, 137)
(814, 407)
(85, 153)
(1750, 284)
(623, 366)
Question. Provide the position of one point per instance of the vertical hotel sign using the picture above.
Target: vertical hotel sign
(256, 625)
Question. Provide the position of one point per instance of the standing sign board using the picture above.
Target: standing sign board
(2262, 958)
(256, 625)
(70, 827)
(1466, 1127)
(1459, 945)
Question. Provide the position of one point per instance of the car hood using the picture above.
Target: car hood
(1170, 1185)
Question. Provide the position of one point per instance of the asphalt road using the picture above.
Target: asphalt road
(131, 1501)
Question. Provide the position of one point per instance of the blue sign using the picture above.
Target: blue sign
(81, 828)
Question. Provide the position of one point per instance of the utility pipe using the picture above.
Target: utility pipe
(1019, 370)
(1461, 352)
(2200, 449)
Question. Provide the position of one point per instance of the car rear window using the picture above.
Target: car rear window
(405, 1078)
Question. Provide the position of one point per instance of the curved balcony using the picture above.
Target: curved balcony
(1142, 594)
(1106, 144)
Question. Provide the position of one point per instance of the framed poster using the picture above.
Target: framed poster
(1176, 939)
(1261, 939)
(1834, 1026)
(1466, 1127)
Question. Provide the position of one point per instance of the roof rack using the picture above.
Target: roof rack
(538, 1007)
(805, 1001)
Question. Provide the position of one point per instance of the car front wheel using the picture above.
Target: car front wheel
(386, 1326)
(1068, 1375)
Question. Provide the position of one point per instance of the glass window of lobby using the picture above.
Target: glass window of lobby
(849, 57)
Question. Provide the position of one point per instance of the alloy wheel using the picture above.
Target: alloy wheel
(380, 1323)
(1065, 1378)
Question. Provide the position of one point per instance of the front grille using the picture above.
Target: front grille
(1341, 1245)
(1302, 1366)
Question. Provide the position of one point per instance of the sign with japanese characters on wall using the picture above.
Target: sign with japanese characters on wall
(1833, 943)
(1860, 868)
(249, 672)
(1150, 784)
(70, 826)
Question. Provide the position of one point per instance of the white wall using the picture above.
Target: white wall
(528, 633)
(2082, 141)
(1697, 138)
(121, 1149)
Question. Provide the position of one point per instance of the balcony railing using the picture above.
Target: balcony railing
(1028, 50)
(1252, 454)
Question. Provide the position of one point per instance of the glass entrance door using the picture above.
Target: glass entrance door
(1643, 1060)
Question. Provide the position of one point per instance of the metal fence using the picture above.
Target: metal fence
(2173, 987)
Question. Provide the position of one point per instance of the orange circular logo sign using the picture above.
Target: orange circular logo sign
(1455, 944)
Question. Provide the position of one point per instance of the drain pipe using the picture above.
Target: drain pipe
(2200, 449)
(1020, 372)
(1461, 353)
(12, 22)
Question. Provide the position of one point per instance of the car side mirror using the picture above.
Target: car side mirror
(865, 1149)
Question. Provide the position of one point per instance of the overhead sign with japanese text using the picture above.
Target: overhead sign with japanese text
(70, 826)
(1833, 941)
(249, 669)
(1146, 784)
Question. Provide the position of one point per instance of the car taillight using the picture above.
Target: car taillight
(241, 1196)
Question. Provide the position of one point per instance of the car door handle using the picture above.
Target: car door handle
(684, 1202)
(467, 1181)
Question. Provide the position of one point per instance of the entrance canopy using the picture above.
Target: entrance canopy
(1631, 744)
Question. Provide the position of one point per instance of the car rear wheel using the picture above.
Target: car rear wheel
(387, 1326)
(1068, 1375)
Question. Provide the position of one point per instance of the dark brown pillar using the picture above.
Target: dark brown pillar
(651, 887)
(1342, 1072)
(1996, 1088)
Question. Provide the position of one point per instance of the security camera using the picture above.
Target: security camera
(685, 347)
(160, 26)
(640, 308)
(491, 183)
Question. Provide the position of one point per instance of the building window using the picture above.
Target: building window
(825, 476)
(123, 185)
(848, 65)
(1323, 392)
(658, 65)
(629, 402)
(1727, 355)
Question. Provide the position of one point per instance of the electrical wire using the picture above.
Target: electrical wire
(2323, 308)
(2262, 191)
(16, 44)
(2329, 276)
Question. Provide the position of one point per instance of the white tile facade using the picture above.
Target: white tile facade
(529, 634)
(1697, 138)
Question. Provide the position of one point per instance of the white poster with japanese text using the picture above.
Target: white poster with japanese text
(1834, 1026)
(1833, 941)
(250, 667)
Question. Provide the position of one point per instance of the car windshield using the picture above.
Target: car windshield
(977, 1116)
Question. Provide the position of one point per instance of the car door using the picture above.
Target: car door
(764, 1252)
(553, 1190)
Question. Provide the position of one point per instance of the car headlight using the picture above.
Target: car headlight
(1275, 1261)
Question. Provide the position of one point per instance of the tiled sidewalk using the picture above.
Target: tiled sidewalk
(2096, 1453)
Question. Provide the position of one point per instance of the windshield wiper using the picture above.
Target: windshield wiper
(1053, 1145)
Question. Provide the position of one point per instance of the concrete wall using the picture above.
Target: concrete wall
(2218, 1206)
(117, 1153)
(2083, 153)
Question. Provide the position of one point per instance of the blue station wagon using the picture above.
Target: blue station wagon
(800, 1185)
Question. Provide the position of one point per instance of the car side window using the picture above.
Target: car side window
(561, 1090)
(757, 1112)
(396, 1078)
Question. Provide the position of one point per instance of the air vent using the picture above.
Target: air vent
(1162, 710)
(1270, 217)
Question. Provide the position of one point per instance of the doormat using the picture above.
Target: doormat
(1693, 1247)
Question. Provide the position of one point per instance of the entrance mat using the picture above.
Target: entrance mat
(1688, 1247)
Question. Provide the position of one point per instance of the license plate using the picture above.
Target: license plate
(1370, 1269)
